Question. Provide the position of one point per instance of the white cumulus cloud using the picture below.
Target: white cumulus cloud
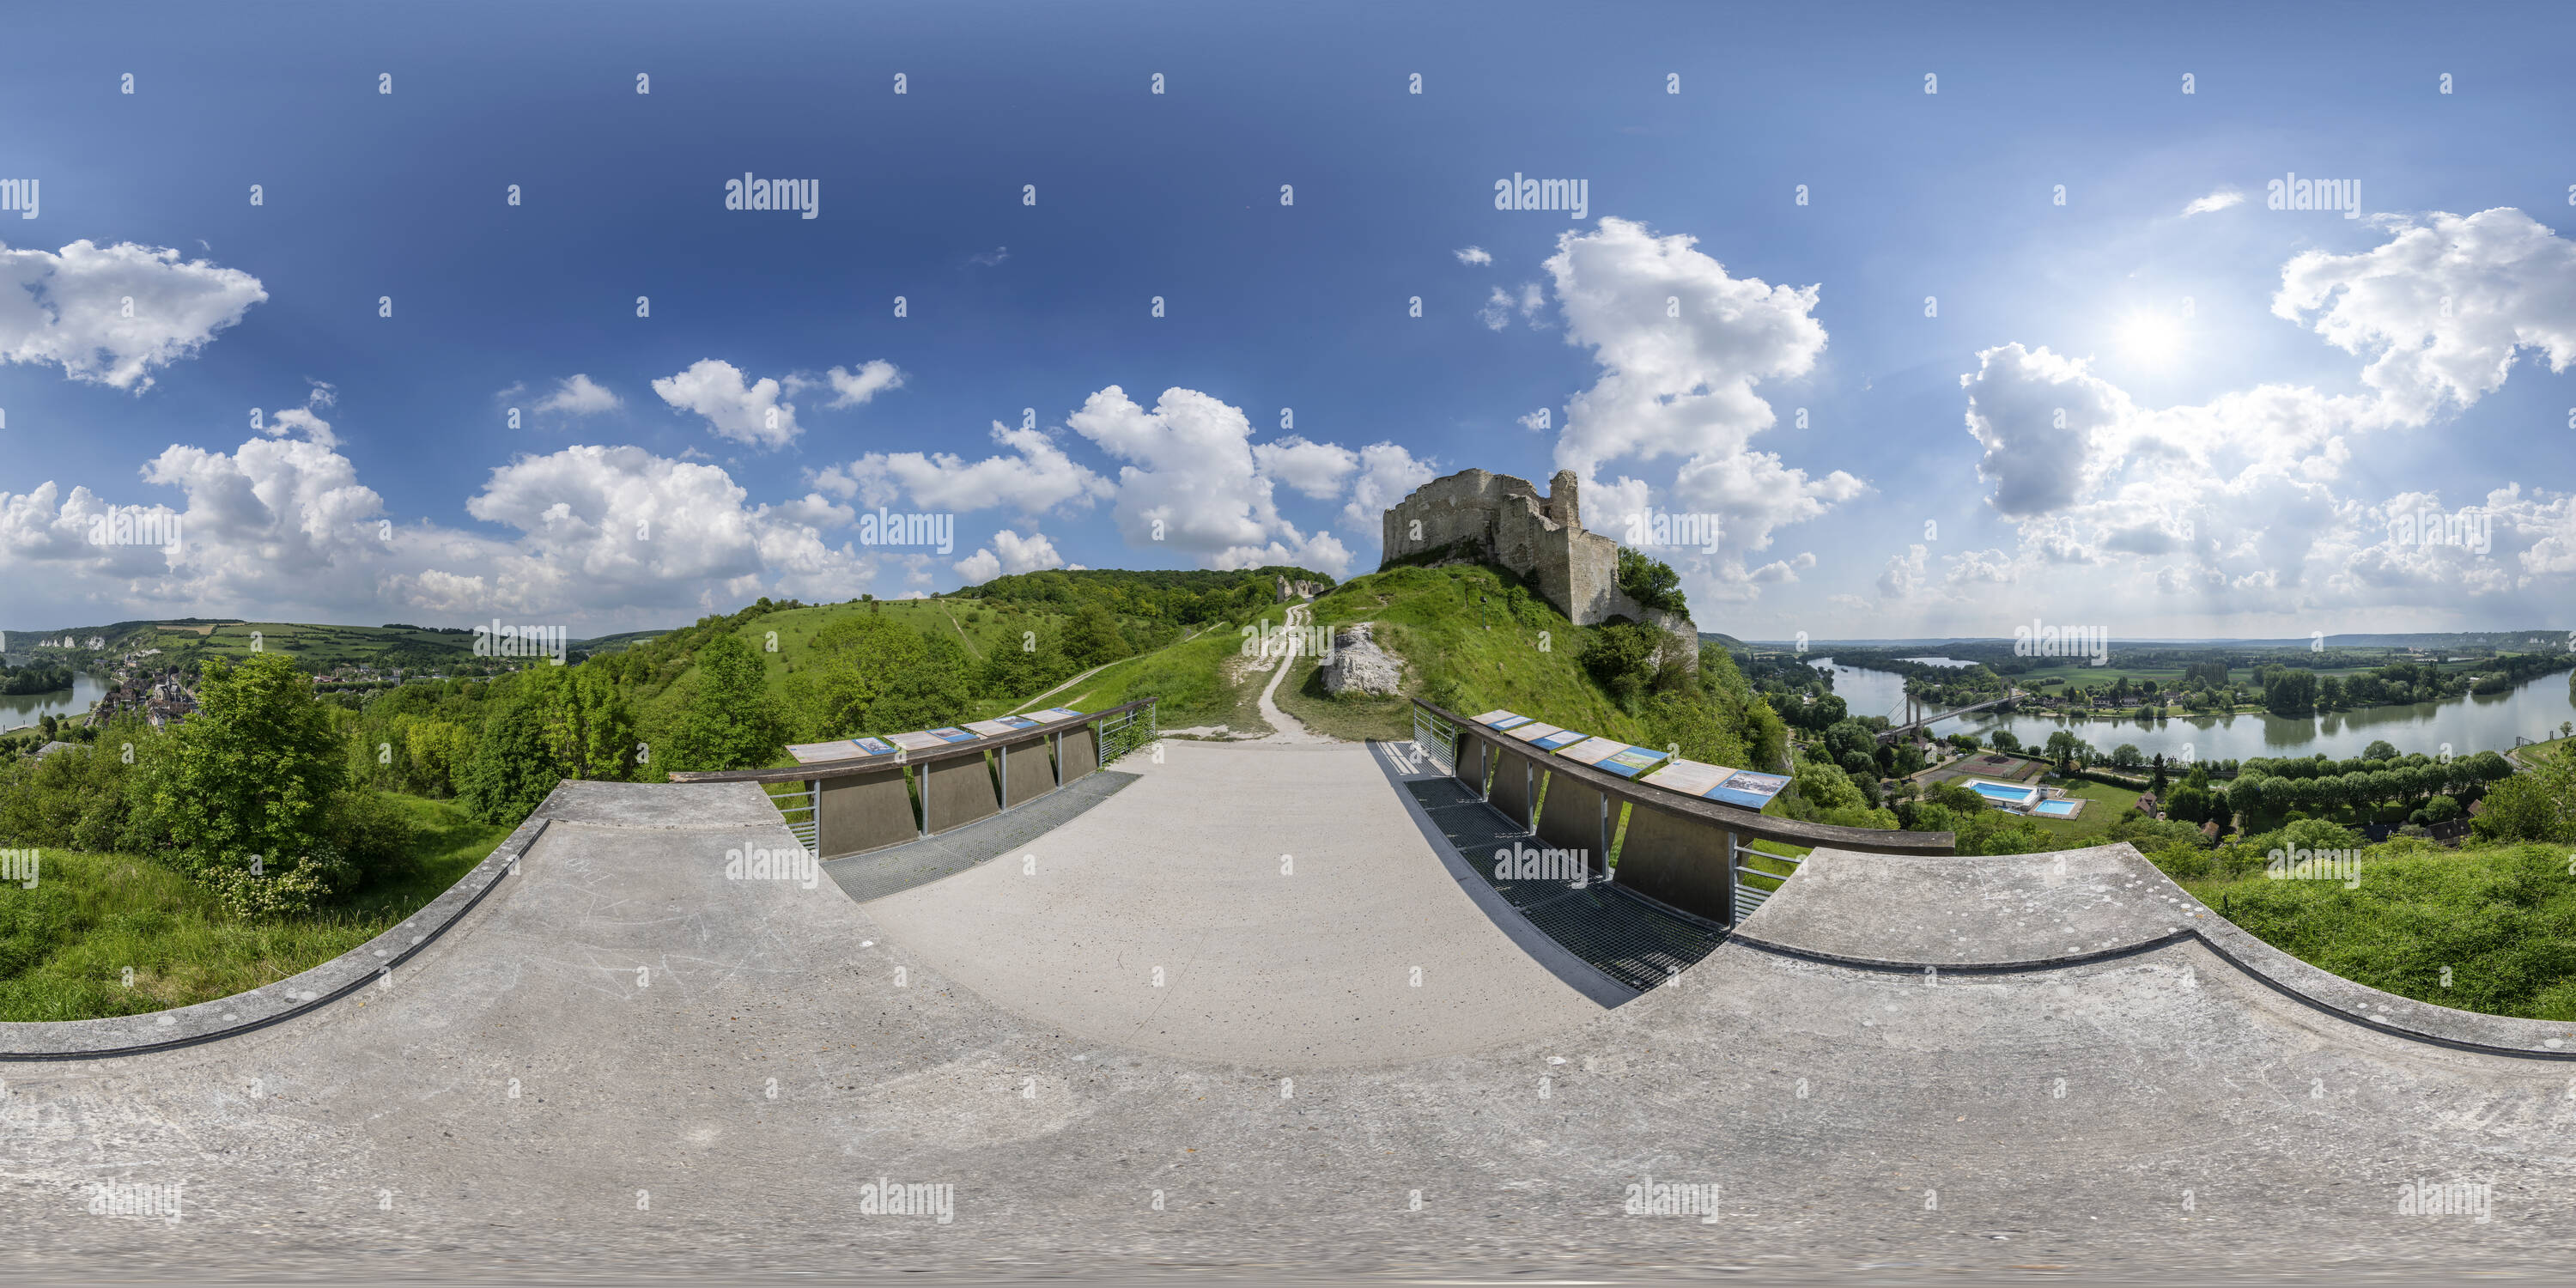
(2443, 306)
(745, 411)
(852, 388)
(281, 528)
(1035, 476)
(1009, 555)
(1388, 472)
(1316, 469)
(1193, 484)
(110, 315)
(1681, 345)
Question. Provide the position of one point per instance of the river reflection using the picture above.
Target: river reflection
(20, 710)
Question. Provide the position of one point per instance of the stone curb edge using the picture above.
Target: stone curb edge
(2312, 986)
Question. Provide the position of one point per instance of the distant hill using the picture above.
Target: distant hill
(189, 641)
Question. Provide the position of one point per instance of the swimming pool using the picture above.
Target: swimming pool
(2005, 793)
(2056, 809)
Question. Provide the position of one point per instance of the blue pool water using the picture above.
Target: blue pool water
(2000, 792)
(2054, 809)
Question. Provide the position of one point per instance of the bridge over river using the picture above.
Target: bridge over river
(1913, 727)
(1248, 1010)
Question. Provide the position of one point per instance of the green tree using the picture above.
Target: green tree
(513, 767)
(435, 755)
(245, 787)
(730, 721)
(1027, 666)
(1092, 637)
(933, 692)
(2379, 749)
(1848, 739)
(2288, 692)
(2192, 804)
(588, 730)
(1826, 711)
(849, 666)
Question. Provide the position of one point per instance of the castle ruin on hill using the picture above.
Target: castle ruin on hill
(1482, 517)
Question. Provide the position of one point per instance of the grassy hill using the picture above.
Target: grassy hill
(977, 628)
(1511, 650)
(1172, 631)
(1526, 658)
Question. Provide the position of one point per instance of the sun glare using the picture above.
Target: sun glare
(2152, 340)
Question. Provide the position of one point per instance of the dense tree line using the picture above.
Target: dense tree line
(34, 678)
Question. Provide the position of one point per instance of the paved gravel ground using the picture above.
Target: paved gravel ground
(623, 1067)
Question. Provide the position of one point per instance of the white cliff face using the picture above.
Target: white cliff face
(1359, 665)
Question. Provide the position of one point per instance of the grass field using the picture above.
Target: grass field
(65, 946)
(2108, 802)
(1351, 717)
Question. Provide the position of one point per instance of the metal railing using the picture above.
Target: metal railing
(799, 806)
(1694, 853)
(1126, 731)
(1748, 898)
(1436, 739)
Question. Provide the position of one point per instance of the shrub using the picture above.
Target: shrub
(376, 834)
(2538, 804)
(1620, 656)
(2183, 861)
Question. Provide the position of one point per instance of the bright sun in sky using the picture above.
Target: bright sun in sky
(2152, 339)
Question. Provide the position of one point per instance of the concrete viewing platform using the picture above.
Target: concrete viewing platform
(604, 1057)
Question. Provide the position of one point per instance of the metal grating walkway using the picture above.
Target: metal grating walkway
(1632, 941)
(897, 868)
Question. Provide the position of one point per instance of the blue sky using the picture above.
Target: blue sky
(2230, 466)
